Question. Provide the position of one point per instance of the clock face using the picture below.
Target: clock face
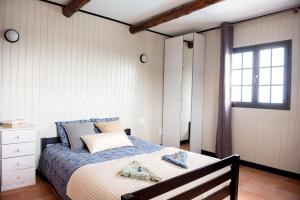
(144, 58)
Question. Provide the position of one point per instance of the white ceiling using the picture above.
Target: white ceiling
(133, 11)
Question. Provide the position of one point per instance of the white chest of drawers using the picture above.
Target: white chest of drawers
(17, 152)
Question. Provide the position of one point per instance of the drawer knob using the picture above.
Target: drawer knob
(18, 164)
(18, 150)
(18, 137)
(18, 177)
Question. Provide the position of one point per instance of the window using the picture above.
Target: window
(260, 76)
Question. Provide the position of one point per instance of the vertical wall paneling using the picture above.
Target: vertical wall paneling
(2, 14)
(79, 67)
(264, 136)
(6, 55)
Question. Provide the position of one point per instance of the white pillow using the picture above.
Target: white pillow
(104, 141)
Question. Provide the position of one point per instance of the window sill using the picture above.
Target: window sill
(262, 106)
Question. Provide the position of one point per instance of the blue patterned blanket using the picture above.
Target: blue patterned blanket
(178, 158)
(57, 162)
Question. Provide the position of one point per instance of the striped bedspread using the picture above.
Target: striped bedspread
(101, 182)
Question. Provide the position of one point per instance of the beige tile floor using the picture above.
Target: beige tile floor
(260, 185)
(42, 190)
(256, 184)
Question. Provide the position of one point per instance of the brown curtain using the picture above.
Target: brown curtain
(224, 141)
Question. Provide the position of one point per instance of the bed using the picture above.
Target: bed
(72, 171)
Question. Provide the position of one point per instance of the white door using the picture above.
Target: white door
(197, 94)
(172, 91)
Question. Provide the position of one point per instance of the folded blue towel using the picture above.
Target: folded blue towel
(177, 159)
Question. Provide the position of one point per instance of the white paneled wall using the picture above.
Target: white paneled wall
(268, 137)
(76, 68)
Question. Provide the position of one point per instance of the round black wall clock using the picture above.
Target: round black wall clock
(144, 58)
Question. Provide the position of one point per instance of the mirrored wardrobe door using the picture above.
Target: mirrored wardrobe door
(183, 91)
(186, 87)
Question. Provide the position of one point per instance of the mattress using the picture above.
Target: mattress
(101, 181)
(58, 163)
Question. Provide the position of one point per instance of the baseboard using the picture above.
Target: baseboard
(260, 167)
(184, 142)
(270, 169)
(208, 153)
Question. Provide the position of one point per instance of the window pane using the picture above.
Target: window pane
(277, 94)
(236, 77)
(247, 59)
(236, 93)
(277, 75)
(264, 94)
(247, 77)
(237, 61)
(278, 57)
(264, 76)
(265, 58)
(247, 94)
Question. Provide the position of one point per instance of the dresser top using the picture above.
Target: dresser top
(13, 129)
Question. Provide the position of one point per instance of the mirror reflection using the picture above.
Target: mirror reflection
(186, 96)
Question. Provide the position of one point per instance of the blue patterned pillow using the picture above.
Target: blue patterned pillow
(95, 120)
(62, 132)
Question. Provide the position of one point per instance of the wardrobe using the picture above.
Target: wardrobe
(183, 91)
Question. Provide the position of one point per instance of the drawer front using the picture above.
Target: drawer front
(24, 162)
(22, 149)
(17, 177)
(18, 136)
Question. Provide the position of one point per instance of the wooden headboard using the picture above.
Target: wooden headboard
(53, 140)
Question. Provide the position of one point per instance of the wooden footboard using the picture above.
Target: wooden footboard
(173, 183)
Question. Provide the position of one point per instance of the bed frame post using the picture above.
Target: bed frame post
(234, 178)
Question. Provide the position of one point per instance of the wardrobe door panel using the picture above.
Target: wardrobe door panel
(172, 91)
(197, 94)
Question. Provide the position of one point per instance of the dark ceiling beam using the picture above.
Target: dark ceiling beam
(169, 15)
(73, 7)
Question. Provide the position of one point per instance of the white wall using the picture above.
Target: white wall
(268, 137)
(76, 68)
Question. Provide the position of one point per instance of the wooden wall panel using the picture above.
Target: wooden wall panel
(268, 137)
(79, 67)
